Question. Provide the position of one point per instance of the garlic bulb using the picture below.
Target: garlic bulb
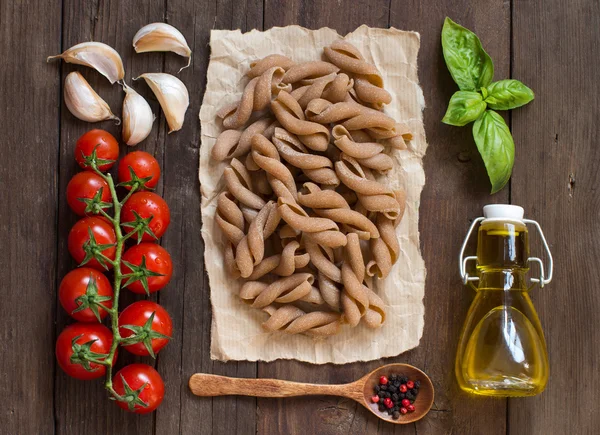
(83, 102)
(172, 95)
(103, 58)
(137, 117)
(161, 37)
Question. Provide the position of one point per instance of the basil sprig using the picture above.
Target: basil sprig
(473, 71)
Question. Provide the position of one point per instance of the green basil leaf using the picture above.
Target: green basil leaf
(470, 66)
(508, 94)
(464, 107)
(496, 146)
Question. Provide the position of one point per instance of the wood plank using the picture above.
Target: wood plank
(83, 406)
(322, 415)
(456, 189)
(29, 88)
(556, 178)
(188, 295)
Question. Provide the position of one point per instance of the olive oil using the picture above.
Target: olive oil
(502, 351)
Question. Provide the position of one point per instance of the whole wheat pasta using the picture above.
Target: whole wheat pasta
(368, 82)
(308, 70)
(257, 96)
(279, 237)
(373, 195)
(266, 157)
(317, 168)
(293, 320)
(354, 298)
(239, 184)
(258, 67)
(385, 250)
(289, 114)
(322, 258)
(375, 313)
(284, 290)
(367, 154)
(332, 205)
(297, 218)
(329, 291)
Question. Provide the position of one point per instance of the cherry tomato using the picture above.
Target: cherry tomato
(73, 364)
(147, 204)
(107, 148)
(137, 315)
(143, 165)
(85, 185)
(88, 288)
(137, 376)
(103, 233)
(157, 260)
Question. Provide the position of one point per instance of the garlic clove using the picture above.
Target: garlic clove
(172, 95)
(137, 117)
(103, 58)
(162, 37)
(83, 102)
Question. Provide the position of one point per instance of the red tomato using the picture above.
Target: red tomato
(137, 376)
(107, 148)
(72, 363)
(147, 204)
(103, 233)
(75, 292)
(157, 260)
(85, 185)
(143, 165)
(137, 315)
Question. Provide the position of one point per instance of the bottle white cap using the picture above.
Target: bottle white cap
(503, 211)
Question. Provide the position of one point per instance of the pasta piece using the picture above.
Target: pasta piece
(373, 195)
(289, 114)
(324, 112)
(375, 313)
(367, 81)
(257, 96)
(332, 205)
(305, 94)
(226, 145)
(385, 250)
(317, 168)
(354, 298)
(329, 291)
(239, 184)
(293, 320)
(322, 258)
(229, 217)
(289, 289)
(297, 218)
(367, 154)
(280, 178)
(308, 70)
(260, 126)
(257, 68)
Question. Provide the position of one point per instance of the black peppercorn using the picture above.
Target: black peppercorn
(381, 407)
(410, 396)
(414, 391)
(381, 394)
(395, 397)
(417, 384)
(396, 415)
(402, 396)
(377, 388)
(393, 377)
(403, 379)
(383, 387)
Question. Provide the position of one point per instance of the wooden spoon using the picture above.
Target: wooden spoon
(206, 385)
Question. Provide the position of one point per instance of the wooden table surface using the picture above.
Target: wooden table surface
(551, 45)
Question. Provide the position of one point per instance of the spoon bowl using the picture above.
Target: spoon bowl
(361, 390)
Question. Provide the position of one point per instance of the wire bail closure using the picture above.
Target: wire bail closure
(542, 280)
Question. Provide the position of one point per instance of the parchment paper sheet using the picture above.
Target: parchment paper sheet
(236, 332)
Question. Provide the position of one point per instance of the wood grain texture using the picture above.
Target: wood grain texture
(555, 49)
(28, 185)
(323, 415)
(556, 178)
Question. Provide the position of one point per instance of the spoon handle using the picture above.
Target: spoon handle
(207, 385)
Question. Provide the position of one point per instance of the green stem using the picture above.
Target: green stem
(118, 278)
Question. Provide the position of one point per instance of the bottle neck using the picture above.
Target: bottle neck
(502, 255)
(509, 279)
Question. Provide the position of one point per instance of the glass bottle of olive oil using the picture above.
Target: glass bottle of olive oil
(502, 351)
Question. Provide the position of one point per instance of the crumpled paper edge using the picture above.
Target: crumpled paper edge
(248, 343)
